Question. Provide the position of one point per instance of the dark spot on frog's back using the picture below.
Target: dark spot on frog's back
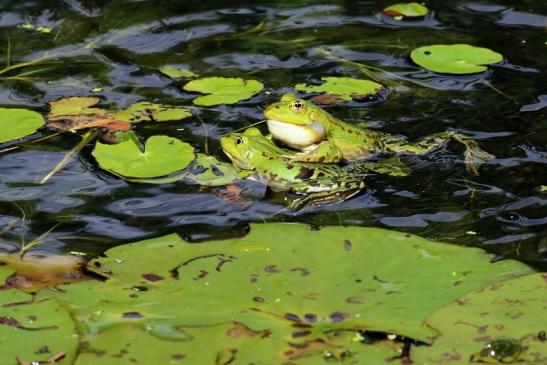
(305, 173)
(152, 277)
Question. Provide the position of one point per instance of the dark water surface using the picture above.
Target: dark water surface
(119, 45)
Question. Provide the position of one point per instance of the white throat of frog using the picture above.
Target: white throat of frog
(297, 136)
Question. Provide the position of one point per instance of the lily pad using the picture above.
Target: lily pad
(405, 10)
(162, 155)
(146, 112)
(177, 72)
(455, 58)
(498, 323)
(18, 123)
(33, 331)
(208, 171)
(76, 105)
(344, 87)
(278, 281)
(223, 90)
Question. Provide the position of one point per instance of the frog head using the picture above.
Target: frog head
(298, 123)
(248, 149)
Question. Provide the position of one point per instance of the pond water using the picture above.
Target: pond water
(116, 48)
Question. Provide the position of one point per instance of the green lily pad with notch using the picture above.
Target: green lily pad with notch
(18, 123)
(223, 90)
(511, 311)
(75, 105)
(177, 72)
(33, 331)
(162, 155)
(146, 112)
(455, 59)
(296, 284)
(405, 10)
(344, 87)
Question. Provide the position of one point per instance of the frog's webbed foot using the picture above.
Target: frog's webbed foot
(326, 152)
(474, 157)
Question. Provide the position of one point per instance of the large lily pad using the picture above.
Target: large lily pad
(287, 282)
(146, 112)
(223, 90)
(162, 155)
(455, 58)
(406, 10)
(343, 87)
(507, 316)
(18, 123)
(33, 331)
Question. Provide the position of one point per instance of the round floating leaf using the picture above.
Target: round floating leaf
(223, 90)
(286, 280)
(177, 72)
(76, 105)
(18, 123)
(33, 331)
(506, 316)
(406, 10)
(344, 87)
(146, 112)
(162, 155)
(455, 58)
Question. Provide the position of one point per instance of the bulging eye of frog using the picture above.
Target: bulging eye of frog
(239, 140)
(297, 106)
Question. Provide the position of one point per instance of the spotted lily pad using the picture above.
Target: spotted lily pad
(223, 90)
(289, 288)
(406, 10)
(18, 123)
(455, 58)
(146, 112)
(76, 105)
(33, 331)
(162, 155)
(177, 72)
(208, 171)
(343, 87)
(502, 322)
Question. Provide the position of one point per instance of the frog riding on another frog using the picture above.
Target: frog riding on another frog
(321, 137)
(258, 157)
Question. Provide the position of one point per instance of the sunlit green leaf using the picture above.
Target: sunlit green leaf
(223, 90)
(507, 315)
(177, 72)
(162, 155)
(406, 10)
(18, 123)
(344, 87)
(75, 105)
(455, 58)
(33, 331)
(146, 111)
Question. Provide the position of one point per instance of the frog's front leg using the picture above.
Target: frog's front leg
(325, 151)
(474, 155)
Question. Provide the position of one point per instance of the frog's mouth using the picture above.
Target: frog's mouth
(297, 136)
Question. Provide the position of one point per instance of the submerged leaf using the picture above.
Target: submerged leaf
(406, 10)
(162, 155)
(343, 87)
(18, 123)
(455, 58)
(177, 72)
(223, 90)
(146, 112)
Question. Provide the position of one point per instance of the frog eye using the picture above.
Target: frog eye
(239, 140)
(297, 106)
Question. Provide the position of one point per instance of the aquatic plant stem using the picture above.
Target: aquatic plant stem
(88, 136)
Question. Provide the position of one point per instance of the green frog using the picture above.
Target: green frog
(320, 137)
(321, 183)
